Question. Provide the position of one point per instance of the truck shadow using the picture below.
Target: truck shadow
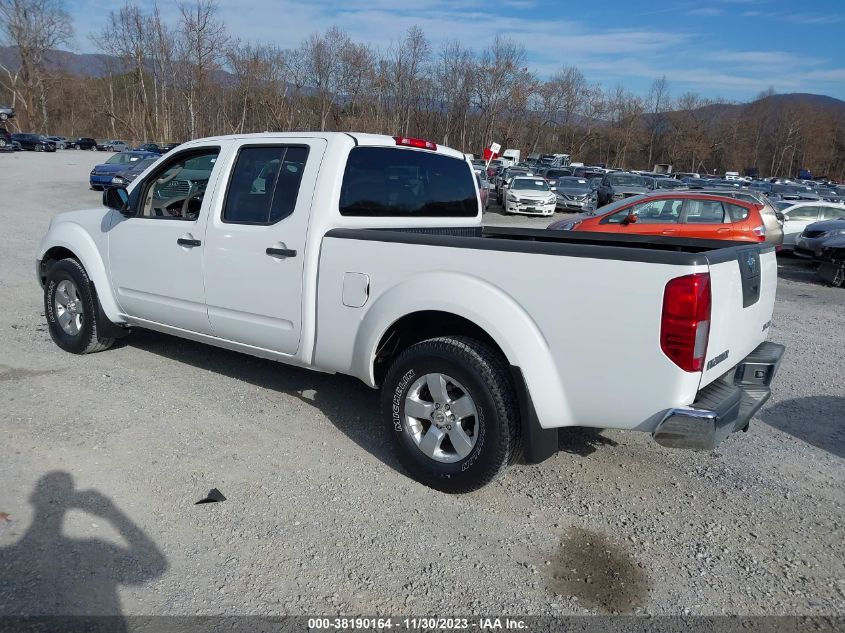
(817, 420)
(582, 441)
(352, 407)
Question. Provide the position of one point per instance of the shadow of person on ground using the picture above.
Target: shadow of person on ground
(817, 420)
(352, 407)
(47, 573)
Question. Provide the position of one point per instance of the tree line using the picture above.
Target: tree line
(189, 78)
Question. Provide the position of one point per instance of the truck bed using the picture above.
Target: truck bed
(640, 248)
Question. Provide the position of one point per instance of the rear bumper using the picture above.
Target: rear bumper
(725, 405)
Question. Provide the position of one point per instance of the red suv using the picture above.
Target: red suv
(680, 215)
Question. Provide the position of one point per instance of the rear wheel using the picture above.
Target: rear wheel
(71, 307)
(450, 409)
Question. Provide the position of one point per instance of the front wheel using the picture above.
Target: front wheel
(450, 409)
(71, 307)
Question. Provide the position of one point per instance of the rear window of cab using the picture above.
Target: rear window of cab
(394, 182)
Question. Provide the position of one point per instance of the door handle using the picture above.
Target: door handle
(669, 231)
(184, 241)
(281, 252)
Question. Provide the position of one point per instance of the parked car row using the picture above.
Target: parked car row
(806, 218)
(42, 143)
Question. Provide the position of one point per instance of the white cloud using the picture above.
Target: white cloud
(801, 18)
(706, 11)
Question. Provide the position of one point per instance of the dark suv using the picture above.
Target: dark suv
(85, 143)
(5, 140)
(34, 142)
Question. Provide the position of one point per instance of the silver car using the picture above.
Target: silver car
(573, 194)
(818, 235)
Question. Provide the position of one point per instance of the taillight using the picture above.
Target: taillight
(760, 231)
(685, 322)
(415, 142)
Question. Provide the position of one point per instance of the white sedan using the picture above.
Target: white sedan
(531, 196)
(800, 215)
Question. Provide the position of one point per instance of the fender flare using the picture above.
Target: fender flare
(73, 237)
(487, 306)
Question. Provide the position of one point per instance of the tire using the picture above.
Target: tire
(68, 279)
(39, 148)
(486, 430)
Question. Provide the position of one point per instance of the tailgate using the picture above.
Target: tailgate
(743, 298)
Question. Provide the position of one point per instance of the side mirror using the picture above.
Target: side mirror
(117, 198)
(629, 219)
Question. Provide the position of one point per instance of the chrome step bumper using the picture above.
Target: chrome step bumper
(725, 405)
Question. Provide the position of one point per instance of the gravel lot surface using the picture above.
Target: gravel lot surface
(102, 458)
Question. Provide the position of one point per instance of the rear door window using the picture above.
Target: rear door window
(736, 213)
(264, 184)
(704, 212)
(393, 182)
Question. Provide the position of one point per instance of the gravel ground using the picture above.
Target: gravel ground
(103, 457)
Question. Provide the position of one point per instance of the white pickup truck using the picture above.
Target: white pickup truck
(364, 255)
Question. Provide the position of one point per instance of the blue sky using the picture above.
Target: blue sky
(719, 48)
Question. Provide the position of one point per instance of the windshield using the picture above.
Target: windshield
(627, 180)
(668, 183)
(615, 206)
(529, 184)
(124, 159)
(143, 164)
(790, 189)
(574, 183)
(557, 173)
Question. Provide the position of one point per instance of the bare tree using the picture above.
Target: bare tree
(501, 66)
(33, 27)
(323, 55)
(182, 79)
(657, 102)
(202, 41)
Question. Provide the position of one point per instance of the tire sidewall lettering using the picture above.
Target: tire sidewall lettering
(398, 399)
